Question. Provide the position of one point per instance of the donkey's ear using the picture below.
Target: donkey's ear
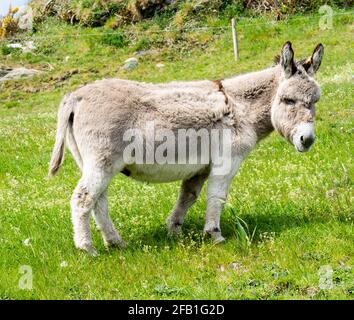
(287, 60)
(313, 63)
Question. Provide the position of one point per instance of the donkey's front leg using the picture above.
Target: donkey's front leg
(189, 193)
(218, 187)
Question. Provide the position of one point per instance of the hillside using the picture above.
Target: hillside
(117, 13)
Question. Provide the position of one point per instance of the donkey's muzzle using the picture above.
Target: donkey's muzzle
(304, 136)
(307, 141)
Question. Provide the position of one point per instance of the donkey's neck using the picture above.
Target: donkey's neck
(253, 94)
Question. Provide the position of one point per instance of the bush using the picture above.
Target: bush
(143, 44)
(116, 39)
(5, 50)
(9, 24)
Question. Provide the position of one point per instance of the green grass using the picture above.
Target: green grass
(290, 213)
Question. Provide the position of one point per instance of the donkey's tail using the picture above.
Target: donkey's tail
(65, 116)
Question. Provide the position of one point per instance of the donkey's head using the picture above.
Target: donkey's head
(293, 109)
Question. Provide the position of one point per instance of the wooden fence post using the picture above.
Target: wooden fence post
(234, 38)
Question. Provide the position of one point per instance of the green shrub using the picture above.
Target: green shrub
(5, 50)
(234, 9)
(116, 39)
(143, 44)
(47, 46)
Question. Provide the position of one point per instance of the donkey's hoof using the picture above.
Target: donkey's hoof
(115, 242)
(218, 239)
(92, 252)
(216, 235)
(174, 229)
(88, 248)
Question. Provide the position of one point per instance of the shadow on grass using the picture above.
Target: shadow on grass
(270, 217)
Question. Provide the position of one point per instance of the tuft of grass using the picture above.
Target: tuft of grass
(242, 231)
(143, 44)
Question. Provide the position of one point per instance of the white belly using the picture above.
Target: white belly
(163, 173)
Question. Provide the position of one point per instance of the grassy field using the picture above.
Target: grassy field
(299, 206)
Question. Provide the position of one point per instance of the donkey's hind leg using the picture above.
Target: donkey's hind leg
(104, 223)
(189, 193)
(91, 185)
(72, 146)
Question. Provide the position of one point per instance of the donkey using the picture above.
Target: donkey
(94, 119)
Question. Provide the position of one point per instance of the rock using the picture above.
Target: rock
(4, 71)
(26, 47)
(25, 21)
(19, 73)
(14, 45)
(131, 60)
(235, 266)
(145, 52)
(130, 63)
(160, 65)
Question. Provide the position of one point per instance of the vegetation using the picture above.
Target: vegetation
(115, 13)
(288, 214)
(9, 24)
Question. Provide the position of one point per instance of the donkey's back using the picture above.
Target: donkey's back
(95, 117)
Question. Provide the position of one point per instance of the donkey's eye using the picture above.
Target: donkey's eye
(289, 101)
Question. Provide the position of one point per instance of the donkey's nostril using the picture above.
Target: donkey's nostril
(307, 141)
